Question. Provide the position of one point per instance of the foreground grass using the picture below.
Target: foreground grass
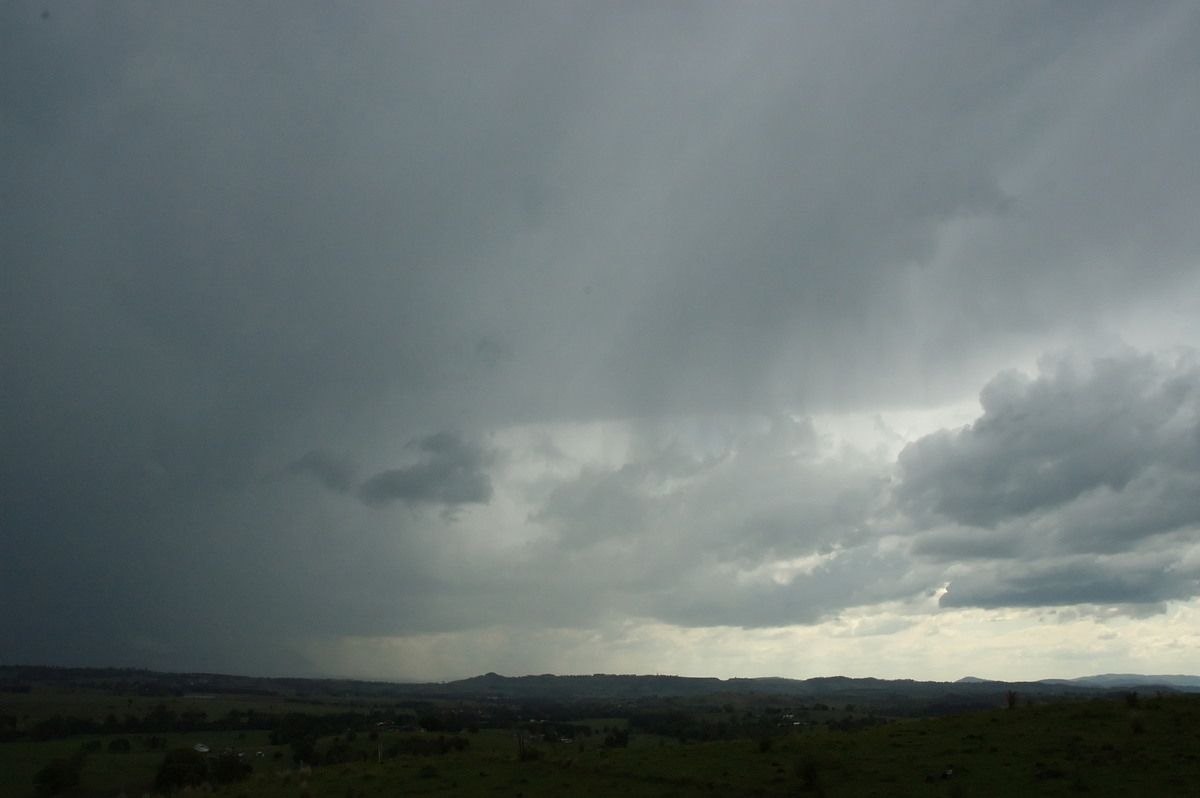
(1096, 747)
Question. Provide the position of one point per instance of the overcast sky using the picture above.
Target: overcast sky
(421, 340)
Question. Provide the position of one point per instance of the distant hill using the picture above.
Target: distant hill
(967, 692)
(970, 690)
(617, 686)
(1114, 681)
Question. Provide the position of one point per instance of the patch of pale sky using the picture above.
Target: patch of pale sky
(784, 571)
(553, 451)
(883, 433)
(886, 641)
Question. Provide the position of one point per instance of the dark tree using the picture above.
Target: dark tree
(57, 777)
(304, 751)
(181, 767)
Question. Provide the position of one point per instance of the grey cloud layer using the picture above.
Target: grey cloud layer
(233, 235)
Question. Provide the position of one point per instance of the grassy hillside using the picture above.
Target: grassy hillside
(1100, 747)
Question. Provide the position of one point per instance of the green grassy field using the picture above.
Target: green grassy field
(1094, 747)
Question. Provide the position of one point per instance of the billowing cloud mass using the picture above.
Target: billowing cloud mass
(1043, 443)
(1081, 486)
(432, 339)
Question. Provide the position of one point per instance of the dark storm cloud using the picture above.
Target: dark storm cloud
(231, 235)
(454, 474)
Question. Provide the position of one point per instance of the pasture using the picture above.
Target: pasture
(1099, 746)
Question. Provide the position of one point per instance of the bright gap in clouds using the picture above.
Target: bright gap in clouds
(882, 642)
(884, 433)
